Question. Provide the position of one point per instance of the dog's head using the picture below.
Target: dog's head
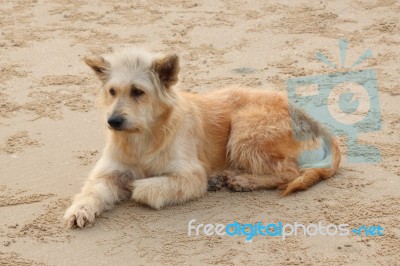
(137, 88)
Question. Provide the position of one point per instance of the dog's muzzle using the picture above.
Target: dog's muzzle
(116, 122)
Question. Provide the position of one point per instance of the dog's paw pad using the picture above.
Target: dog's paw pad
(216, 182)
(219, 180)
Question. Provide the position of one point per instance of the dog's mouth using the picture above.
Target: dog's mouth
(123, 129)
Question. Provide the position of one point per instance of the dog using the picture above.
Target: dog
(164, 144)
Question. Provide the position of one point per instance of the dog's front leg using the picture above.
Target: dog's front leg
(173, 188)
(107, 184)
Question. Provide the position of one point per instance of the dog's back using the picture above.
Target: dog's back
(260, 133)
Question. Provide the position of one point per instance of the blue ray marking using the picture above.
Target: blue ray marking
(343, 48)
(321, 57)
(365, 55)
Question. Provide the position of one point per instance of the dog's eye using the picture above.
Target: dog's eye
(135, 92)
(112, 91)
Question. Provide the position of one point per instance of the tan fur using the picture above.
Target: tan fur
(171, 141)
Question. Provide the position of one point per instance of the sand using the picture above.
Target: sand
(51, 133)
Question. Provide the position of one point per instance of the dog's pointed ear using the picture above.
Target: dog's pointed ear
(167, 69)
(99, 65)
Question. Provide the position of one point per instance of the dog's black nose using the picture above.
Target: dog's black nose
(115, 122)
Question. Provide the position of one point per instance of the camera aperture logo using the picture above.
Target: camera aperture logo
(280, 229)
(346, 102)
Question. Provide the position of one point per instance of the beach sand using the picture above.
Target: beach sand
(51, 132)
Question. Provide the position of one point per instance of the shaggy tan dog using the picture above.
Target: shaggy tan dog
(163, 143)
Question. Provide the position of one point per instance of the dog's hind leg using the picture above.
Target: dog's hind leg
(241, 182)
(251, 182)
(261, 146)
(282, 141)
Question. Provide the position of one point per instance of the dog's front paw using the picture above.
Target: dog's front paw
(149, 192)
(78, 216)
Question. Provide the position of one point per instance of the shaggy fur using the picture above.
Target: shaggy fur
(163, 144)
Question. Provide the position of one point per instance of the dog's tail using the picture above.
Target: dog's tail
(315, 164)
